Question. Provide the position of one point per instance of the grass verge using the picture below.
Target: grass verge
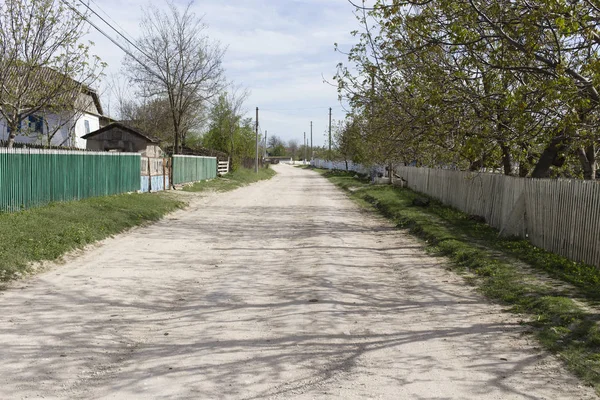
(558, 296)
(47, 233)
(232, 180)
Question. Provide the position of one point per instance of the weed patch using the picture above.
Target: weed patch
(232, 180)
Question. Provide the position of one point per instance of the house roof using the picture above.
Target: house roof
(43, 76)
(124, 127)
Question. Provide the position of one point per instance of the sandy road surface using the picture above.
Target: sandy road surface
(283, 289)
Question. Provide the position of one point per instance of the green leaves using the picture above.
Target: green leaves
(43, 63)
(457, 81)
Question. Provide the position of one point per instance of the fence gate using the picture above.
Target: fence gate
(223, 167)
(155, 174)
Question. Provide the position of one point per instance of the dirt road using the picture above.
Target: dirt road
(283, 289)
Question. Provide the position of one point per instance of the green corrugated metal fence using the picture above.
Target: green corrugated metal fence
(193, 168)
(30, 178)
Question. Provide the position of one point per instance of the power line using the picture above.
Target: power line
(126, 51)
(113, 21)
(114, 29)
(299, 109)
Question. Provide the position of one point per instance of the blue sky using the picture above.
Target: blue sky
(279, 49)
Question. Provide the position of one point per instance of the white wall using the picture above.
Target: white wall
(62, 137)
(80, 128)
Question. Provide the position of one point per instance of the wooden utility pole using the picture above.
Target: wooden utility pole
(266, 143)
(256, 161)
(311, 145)
(304, 147)
(329, 133)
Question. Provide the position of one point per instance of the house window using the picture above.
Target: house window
(87, 126)
(35, 124)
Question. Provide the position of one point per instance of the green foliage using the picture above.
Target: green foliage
(278, 151)
(503, 86)
(229, 132)
(277, 147)
(508, 270)
(232, 180)
(47, 233)
(349, 142)
(44, 65)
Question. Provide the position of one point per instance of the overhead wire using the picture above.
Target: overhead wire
(114, 29)
(113, 21)
(301, 108)
(127, 51)
(119, 45)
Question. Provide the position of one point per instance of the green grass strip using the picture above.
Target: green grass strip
(232, 180)
(47, 233)
(508, 270)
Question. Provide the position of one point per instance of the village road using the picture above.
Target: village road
(283, 289)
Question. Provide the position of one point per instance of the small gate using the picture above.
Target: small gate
(222, 167)
(155, 174)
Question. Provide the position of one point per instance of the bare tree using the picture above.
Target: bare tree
(44, 67)
(175, 59)
(293, 148)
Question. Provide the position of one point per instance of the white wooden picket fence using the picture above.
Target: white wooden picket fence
(561, 216)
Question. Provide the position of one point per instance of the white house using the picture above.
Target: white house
(74, 109)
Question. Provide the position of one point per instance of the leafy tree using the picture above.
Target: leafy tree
(348, 140)
(228, 131)
(44, 66)
(275, 141)
(278, 151)
(276, 146)
(474, 84)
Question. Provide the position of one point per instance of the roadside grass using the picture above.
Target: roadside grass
(556, 296)
(47, 233)
(232, 180)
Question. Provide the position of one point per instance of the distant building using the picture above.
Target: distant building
(120, 137)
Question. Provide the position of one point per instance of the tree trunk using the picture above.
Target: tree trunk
(550, 157)
(11, 141)
(475, 166)
(506, 160)
(13, 129)
(587, 158)
(524, 166)
(231, 136)
(523, 170)
(176, 145)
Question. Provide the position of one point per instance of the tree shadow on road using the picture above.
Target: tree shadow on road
(265, 301)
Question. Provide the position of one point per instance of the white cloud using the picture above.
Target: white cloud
(279, 49)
